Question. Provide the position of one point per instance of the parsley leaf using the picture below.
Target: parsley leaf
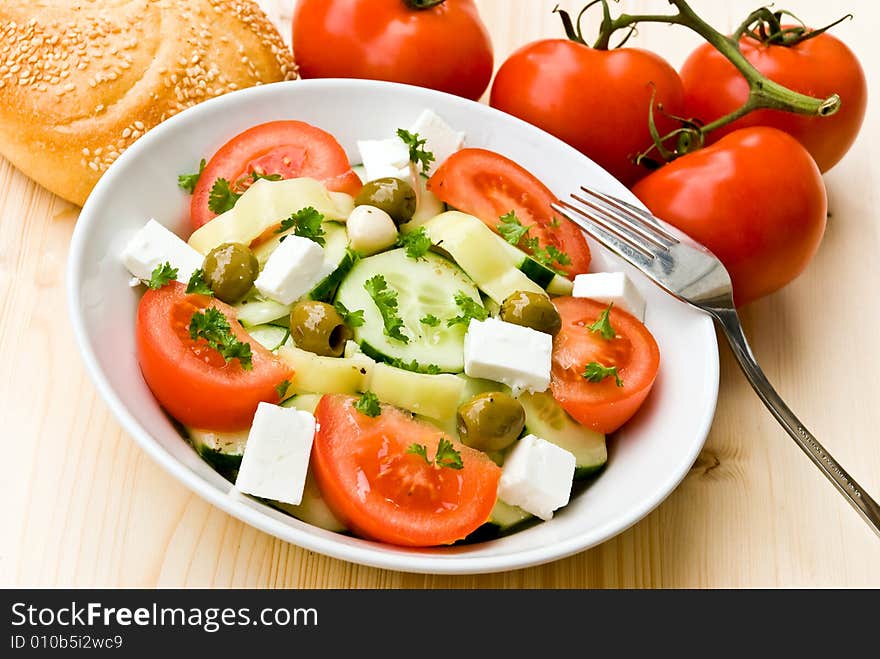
(418, 155)
(282, 388)
(430, 320)
(162, 275)
(386, 303)
(511, 229)
(198, 284)
(350, 318)
(433, 369)
(306, 223)
(266, 177)
(212, 326)
(603, 325)
(222, 198)
(469, 310)
(417, 243)
(595, 372)
(368, 404)
(560, 257)
(446, 455)
(415, 367)
(188, 182)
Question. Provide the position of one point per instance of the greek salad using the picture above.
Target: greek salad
(412, 350)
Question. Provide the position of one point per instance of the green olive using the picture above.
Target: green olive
(230, 271)
(491, 421)
(531, 310)
(393, 195)
(318, 328)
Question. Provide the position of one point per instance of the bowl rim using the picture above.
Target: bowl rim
(371, 554)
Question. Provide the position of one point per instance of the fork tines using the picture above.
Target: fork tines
(623, 221)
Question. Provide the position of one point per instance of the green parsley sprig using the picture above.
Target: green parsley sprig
(306, 223)
(386, 302)
(595, 372)
(418, 155)
(222, 197)
(602, 326)
(446, 455)
(430, 320)
(282, 388)
(162, 275)
(470, 309)
(368, 404)
(211, 326)
(514, 232)
(198, 284)
(416, 243)
(351, 318)
(189, 182)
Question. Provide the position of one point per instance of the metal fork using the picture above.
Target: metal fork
(690, 272)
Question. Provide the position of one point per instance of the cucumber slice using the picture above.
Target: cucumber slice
(271, 337)
(424, 286)
(303, 402)
(434, 396)
(263, 205)
(313, 374)
(222, 450)
(313, 509)
(480, 253)
(504, 516)
(549, 280)
(254, 310)
(546, 419)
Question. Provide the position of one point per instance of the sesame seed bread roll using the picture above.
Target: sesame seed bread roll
(81, 80)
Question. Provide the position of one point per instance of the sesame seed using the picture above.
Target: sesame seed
(93, 166)
(86, 152)
(69, 87)
(139, 125)
(126, 133)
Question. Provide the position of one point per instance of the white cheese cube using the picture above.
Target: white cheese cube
(514, 355)
(384, 158)
(276, 456)
(154, 245)
(442, 140)
(370, 230)
(537, 477)
(608, 287)
(293, 269)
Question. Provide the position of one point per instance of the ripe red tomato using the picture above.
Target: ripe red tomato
(383, 492)
(603, 406)
(441, 44)
(288, 148)
(819, 67)
(596, 100)
(488, 185)
(755, 199)
(191, 380)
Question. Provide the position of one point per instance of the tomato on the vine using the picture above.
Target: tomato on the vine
(755, 198)
(819, 66)
(598, 101)
(440, 44)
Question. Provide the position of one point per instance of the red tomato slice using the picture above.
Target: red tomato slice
(290, 148)
(488, 185)
(382, 492)
(602, 406)
(191, 380)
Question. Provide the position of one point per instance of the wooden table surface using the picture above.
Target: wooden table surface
(84, 506)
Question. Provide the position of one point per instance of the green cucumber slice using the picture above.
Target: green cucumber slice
(546, 419)
(303, 402)
(222, 450)
(424, 286)
(313, 374)
(271, 337)
(254, 310)
(504, 516)
(312, 509)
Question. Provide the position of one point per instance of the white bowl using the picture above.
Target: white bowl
(648, 457)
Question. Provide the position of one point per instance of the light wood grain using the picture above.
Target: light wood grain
(83, 505)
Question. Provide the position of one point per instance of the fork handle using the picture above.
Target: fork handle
(846, 485)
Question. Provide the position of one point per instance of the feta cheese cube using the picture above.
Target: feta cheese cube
(370, 230)
(384, 158)
(276, 456)
(293, 269)
(537, 477)
(608, 287)
(442, 140)
(154, 245)
(515, 355)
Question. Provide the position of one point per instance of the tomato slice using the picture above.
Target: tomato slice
(382, 492)
(602, 406)
(290, 148)
(191, 380)
(488, 185)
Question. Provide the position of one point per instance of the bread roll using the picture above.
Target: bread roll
(81, 80)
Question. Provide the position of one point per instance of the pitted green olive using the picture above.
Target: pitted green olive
(230, 271)
(531, 310)
(393, 195)
(318, 328)
(491, 421)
